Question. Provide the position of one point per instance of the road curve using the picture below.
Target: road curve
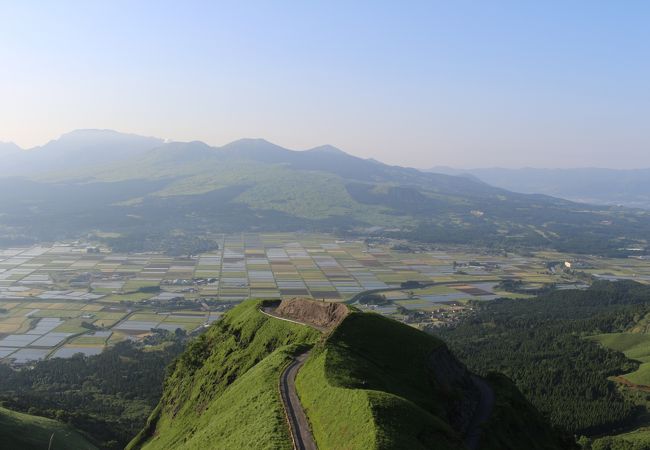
(298, 423)
(482, 413)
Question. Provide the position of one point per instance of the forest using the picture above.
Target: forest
(540, 344)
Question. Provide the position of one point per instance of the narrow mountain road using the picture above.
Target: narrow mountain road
(301, 434)
(482, 413)
(298, 423)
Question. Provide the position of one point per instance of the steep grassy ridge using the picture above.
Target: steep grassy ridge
(366, 387)
(379, 384)
(223, 392)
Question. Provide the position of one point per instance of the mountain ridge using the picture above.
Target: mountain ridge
(77, 149)
(252, 184)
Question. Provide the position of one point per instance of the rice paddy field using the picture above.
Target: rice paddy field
(62, 299)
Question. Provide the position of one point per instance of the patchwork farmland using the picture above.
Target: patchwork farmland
(63, 299)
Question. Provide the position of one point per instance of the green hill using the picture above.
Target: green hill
(370, 383)
(26, 432)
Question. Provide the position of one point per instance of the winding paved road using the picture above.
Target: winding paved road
(482, 413)
(301, 434)
(298, 423)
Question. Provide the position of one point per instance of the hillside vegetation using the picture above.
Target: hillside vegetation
(27, 432)
(167, 195)
(371, 383)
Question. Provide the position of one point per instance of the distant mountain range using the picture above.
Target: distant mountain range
(80, 148)
(145, 193)
(587, 185)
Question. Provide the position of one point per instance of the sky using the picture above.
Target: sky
(422, 84)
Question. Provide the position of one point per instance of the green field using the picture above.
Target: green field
(635, 346)
(24, 432)
(63, 281)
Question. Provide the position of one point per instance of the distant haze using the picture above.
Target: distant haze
(421, 84)
(597, 186)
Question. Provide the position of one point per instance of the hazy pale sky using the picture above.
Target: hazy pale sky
(469, 84)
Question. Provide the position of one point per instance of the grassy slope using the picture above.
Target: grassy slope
(224, 389)
(366, 387)
(635, 346)
(25, 432)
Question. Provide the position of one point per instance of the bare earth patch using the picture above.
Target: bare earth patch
(322, 315)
